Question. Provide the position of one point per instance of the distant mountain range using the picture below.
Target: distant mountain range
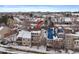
(39, 8)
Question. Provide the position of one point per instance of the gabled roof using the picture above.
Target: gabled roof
(24, 34)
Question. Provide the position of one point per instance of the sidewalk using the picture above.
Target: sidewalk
(33, 49)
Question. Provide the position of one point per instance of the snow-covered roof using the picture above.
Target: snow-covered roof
(21, 17)
(76, 40)
(37, 19)
(1, 27)
(24, 34)
(68, 28)
(17, 19)
(33, 24)
(77, 33)
(35, 31)
(67, 19)
(75, 13)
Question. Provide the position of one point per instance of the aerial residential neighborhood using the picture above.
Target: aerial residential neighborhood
(39, 32)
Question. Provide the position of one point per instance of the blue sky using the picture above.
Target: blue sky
(43, 8)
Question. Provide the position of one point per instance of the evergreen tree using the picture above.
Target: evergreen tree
(4, 19)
